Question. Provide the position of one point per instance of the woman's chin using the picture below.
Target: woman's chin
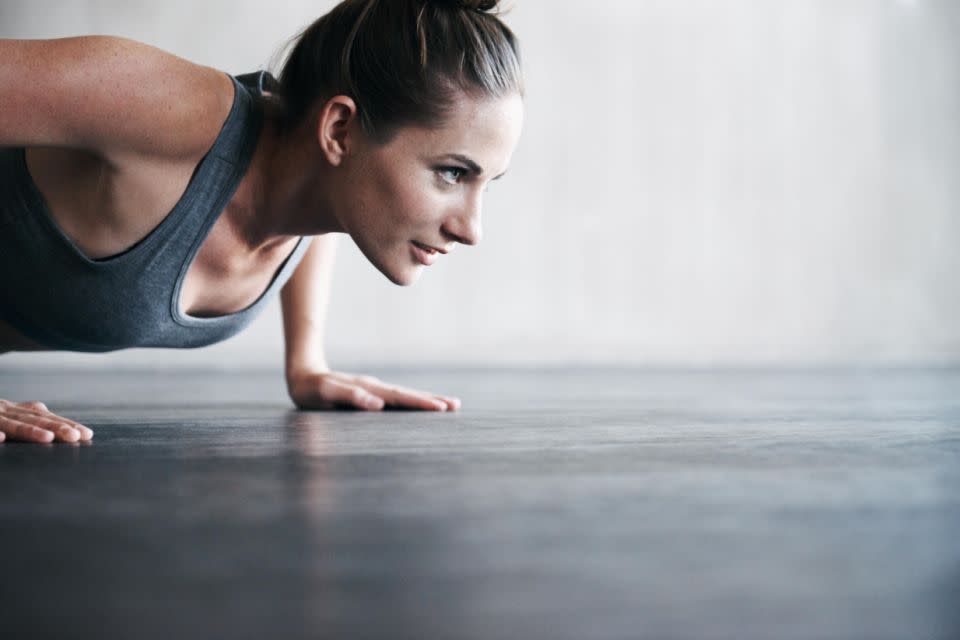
(402, 275)
(405, 276)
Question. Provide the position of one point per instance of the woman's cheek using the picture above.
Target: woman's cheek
(417, 207)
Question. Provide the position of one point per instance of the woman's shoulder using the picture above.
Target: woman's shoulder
(124, 100)
(117, 130)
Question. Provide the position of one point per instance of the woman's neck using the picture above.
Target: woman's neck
(286, 191)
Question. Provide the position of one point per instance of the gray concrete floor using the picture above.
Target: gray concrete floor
(584, 504)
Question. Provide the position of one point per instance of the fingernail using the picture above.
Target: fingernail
(374, 403)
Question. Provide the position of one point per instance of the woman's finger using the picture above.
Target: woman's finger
(18, 430)
(404, 397)
(63, 431)
(40, 410)
(363, 392)
(344, 393)
(453, 404)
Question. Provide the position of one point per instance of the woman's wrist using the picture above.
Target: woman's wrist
(301, 366)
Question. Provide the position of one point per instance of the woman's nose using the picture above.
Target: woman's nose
(465, 226)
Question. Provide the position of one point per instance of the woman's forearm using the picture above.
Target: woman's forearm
(304, 300)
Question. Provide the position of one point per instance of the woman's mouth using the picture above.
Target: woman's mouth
(424, 255)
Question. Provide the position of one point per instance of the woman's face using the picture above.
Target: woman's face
(425, 187)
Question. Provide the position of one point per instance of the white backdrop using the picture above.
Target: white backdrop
(699, 182)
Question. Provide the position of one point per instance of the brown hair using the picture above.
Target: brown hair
(402, 61)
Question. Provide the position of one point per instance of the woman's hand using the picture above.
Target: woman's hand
(33, 422)
(330, 389)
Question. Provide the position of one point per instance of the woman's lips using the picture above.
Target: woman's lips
(424, 256)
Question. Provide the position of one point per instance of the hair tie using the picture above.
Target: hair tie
(262, 82)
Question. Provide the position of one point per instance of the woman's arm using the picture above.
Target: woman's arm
(310, 382)
(126, 102)
(117, 97)
(305, 298)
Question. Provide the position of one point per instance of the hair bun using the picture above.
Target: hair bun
(470, 5)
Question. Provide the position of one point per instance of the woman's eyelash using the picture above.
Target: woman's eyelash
(460, 171)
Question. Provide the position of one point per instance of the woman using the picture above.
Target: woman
(146, 201)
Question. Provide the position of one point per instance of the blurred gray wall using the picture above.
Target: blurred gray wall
(698, 183)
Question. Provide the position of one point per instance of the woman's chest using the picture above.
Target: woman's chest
(222, 280)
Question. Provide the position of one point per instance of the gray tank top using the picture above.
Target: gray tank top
(53, 294)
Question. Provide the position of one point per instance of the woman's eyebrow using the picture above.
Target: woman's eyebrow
(473, 166)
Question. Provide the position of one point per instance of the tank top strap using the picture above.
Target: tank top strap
(218, 175)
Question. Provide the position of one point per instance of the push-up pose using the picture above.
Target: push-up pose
(146, 201)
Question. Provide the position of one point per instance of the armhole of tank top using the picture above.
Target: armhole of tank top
(39, 204)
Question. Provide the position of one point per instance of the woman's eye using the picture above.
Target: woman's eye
(456, 172)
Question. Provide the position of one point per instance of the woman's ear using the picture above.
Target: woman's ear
(337, 128)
